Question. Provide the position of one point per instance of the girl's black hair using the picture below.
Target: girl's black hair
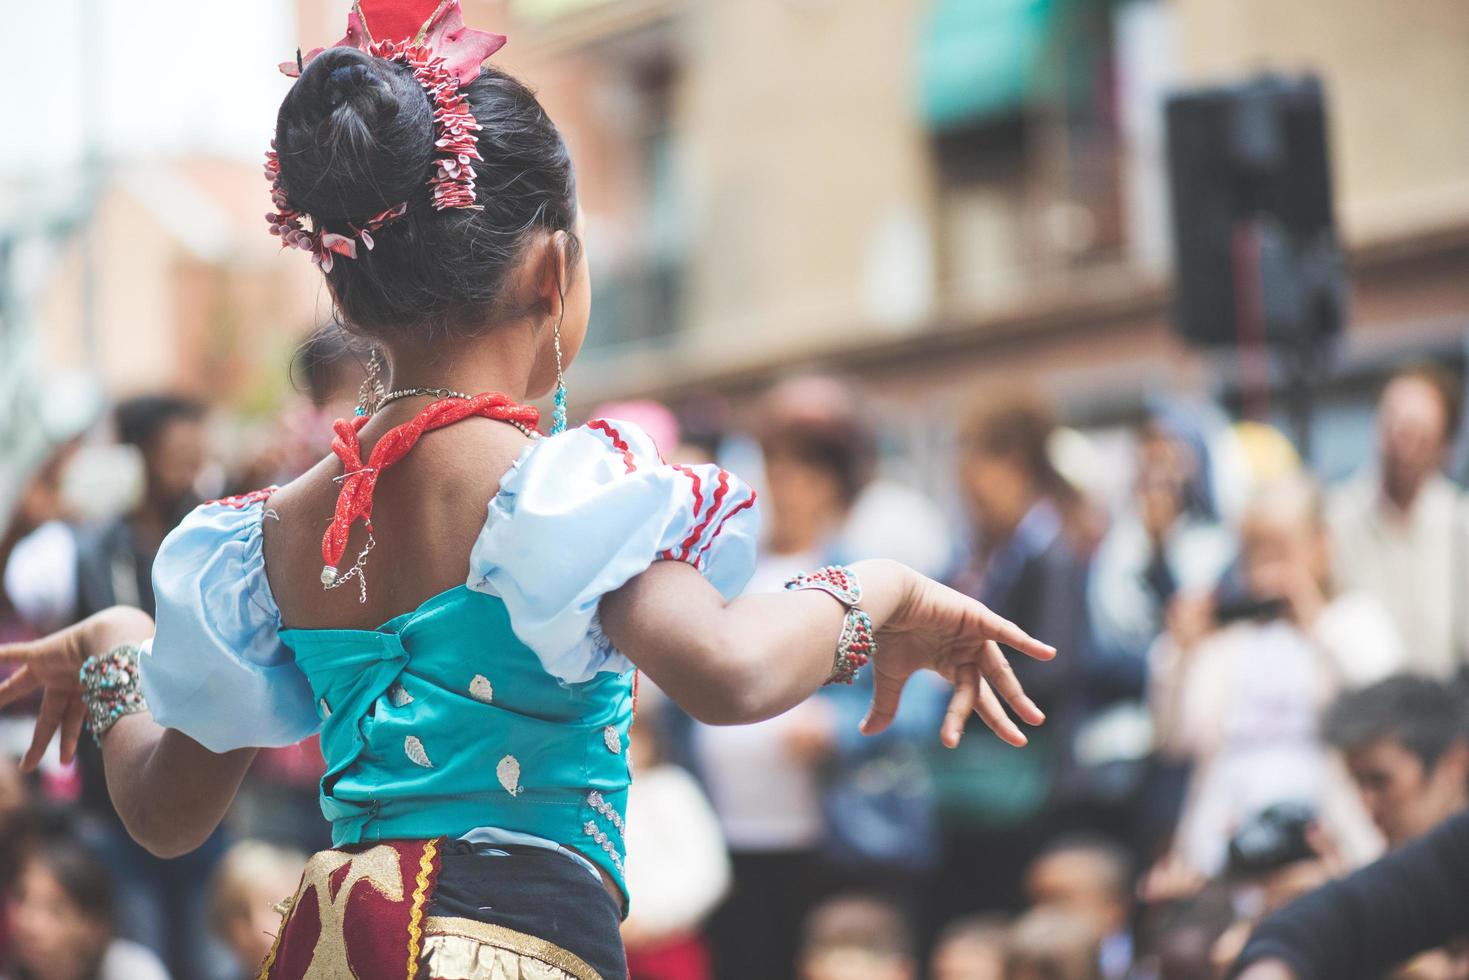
(355, 136)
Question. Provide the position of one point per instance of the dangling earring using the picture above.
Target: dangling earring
(558, 414)
(370, 394)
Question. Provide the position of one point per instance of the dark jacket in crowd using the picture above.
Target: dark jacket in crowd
(1411, 901)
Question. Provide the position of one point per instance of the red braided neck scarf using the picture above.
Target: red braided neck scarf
(359, 479)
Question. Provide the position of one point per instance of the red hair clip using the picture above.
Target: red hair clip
(430, 38)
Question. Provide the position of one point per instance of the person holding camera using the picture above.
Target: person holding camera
(1238, 684)
(1412, 900)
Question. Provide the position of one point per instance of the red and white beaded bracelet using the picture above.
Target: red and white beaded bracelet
(857, 642)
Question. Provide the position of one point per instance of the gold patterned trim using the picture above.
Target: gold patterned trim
(275, 948)
(420, 896)
(284, 908)
(515, 942)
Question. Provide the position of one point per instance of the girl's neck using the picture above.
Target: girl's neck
(501, 359)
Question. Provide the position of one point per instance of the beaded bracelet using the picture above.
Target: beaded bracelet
(857, 643)
(111, 688)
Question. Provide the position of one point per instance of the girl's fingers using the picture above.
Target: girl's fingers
(17, 686)
(993, 714)
(47, 722)
(71, 729)
(997, 627)
(1001, 675)
(966, 690)
(15, 653)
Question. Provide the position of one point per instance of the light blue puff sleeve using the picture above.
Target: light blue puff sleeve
(216, 669)
(583, 512)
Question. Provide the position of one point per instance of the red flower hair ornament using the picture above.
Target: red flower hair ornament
(430, 38)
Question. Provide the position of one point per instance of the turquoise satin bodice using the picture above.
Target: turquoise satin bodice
(441, 721)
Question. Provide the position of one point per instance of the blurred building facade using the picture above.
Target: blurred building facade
(933, 196)
(184, 293)
(940, 195)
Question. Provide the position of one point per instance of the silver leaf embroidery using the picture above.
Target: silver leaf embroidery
(613, 740)
(399, 696)
(509, 772)
(413, 748)
(326, 709)
(480, 689)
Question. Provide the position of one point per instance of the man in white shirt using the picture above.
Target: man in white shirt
(1401, 531)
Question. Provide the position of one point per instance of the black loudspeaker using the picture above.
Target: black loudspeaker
(1256, 256)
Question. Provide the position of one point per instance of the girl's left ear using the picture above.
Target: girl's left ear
(553, 273)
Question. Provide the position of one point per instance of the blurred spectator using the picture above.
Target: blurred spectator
(14, 836)
(1052, 944)
(249, 885)
(704, 422)
(1412, 900)
(1177, 937)
(1087, 468)
(1406, 742)
(998, 804)
(39, 593)
(328, 372)
(1276, 856)
(1238, 687)
(115, 560)
(1169, 540)
(1263, 453)
(1089, 877)
(676, 861)
(161, 903)
(1401, 528)
(808, 805)
(972, 948)
(856, 938)
(61, 920)
(813, 431)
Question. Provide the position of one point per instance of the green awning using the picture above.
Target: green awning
(978, 58)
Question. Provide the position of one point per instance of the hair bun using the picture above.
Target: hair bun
(343, 82)
(355, 136)
(352, 82)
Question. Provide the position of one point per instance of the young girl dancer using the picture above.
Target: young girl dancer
(468, 645)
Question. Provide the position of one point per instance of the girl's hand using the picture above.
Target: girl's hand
(53, 666)
(931, 626)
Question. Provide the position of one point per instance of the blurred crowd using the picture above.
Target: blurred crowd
(1260, 688)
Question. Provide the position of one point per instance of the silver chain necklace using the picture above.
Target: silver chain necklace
(398, 393)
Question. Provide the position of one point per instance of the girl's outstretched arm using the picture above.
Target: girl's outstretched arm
(169, 790)
(754, 658)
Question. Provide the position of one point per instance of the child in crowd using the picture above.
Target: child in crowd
(61, 921)
(251, 882)
(1090, 877)
(855, 937)
(1052, 944)
(971, 949)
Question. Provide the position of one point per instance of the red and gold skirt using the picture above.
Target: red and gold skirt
(395, 910)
